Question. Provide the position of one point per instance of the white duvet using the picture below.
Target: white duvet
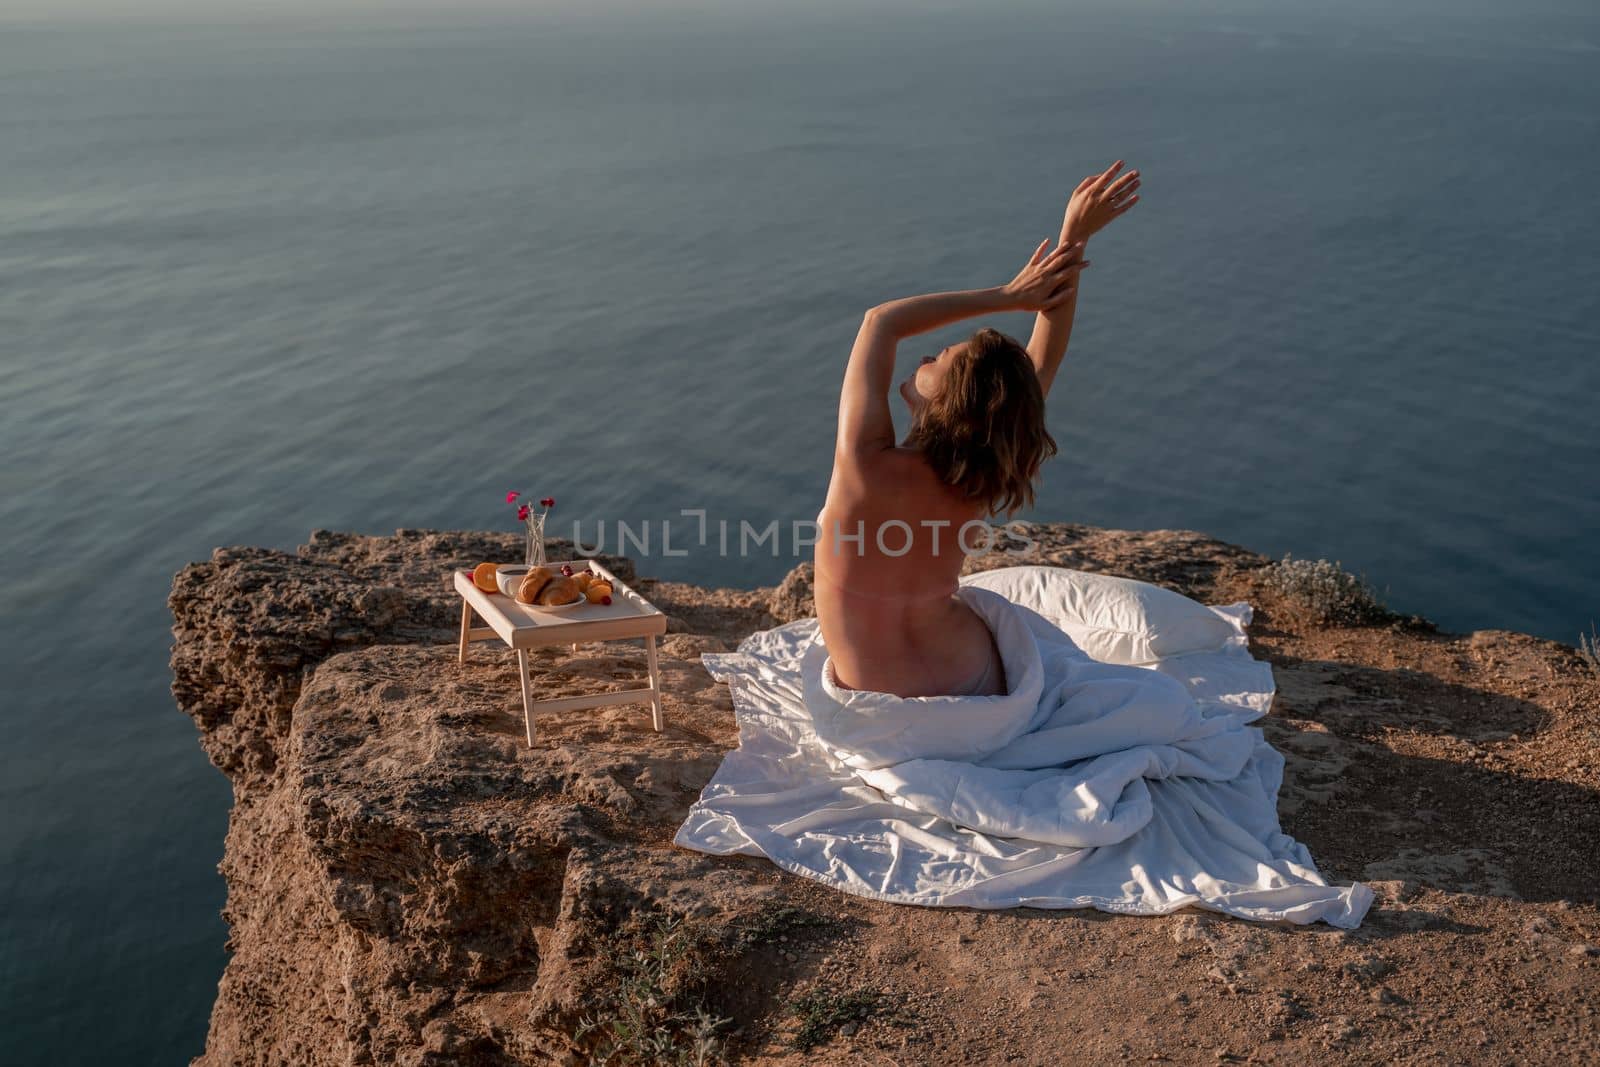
(1129, 789)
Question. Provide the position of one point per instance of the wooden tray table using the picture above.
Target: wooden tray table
(527, 626)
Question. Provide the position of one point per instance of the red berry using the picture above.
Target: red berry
(606, 599)
(566, 568)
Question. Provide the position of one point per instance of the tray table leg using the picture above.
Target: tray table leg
(527, 693)
(466, 624)
(657, 717)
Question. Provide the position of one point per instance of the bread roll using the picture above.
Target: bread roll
(559, 591)
(532, 584)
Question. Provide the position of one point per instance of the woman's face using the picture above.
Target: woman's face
(926, 381)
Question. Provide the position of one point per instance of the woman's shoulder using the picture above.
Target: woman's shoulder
(898, 469)
(899, 486)
(866, 482)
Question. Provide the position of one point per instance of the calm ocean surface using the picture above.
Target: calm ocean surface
(366, 274)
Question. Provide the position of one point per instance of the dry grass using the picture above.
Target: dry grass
(656, 1016)
(1325, 592)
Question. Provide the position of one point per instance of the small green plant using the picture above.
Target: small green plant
(823, 1011)
(770, 924)
(652, 1020)
(1325, 591)
(1589, 647)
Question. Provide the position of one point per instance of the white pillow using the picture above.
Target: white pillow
(1117, 620)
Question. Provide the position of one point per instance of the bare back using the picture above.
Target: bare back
(886, 601)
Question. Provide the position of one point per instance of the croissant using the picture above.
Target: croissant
(534, 581)
(559, 591)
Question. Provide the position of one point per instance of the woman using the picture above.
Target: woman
(889, 546)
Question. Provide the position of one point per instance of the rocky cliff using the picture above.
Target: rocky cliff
(408, 883)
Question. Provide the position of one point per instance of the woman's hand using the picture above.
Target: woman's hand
(1097, 200)
(1047, 281)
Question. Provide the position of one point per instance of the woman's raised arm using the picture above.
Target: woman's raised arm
(865, 422)
(1097, 200)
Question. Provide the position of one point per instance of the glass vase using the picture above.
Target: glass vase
(534, 552)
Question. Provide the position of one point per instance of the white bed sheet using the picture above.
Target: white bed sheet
(1138, 790)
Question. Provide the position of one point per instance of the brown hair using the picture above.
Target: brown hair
(985, 430)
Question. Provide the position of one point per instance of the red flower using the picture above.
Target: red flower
(522, 513)
(511, 497)
(548, 502)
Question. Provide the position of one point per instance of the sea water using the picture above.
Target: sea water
(362, 271)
